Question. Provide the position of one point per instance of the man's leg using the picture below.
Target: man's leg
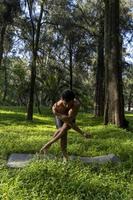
(74, 126)
(63, 143)
(77, 129)
(62, 131)
(56, 132)
(63, 139)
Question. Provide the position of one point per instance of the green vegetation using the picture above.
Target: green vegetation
(54, 180)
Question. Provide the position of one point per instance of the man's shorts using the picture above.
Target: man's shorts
(59, 122)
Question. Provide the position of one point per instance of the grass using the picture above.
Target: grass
(54, 180)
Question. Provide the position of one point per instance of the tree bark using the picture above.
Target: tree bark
(70, 64)
(32, 89)
(99, 93)
(38, 102)
(114, 102)
(5, 83)
(35, 43)
(130, 100)
(2, 36)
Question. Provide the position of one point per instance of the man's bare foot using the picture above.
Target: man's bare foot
(44, 150)
(65, 159)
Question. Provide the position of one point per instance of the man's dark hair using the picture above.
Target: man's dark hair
(67, 95)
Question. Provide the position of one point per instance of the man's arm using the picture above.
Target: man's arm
(68, 119)
(54, 108)
(72, 113)
(55, 112)
(74, 126)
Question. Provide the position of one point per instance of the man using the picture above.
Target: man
(65, 111)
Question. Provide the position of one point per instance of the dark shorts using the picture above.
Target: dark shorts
(59, 122)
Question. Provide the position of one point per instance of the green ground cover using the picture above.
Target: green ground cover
(54, 180)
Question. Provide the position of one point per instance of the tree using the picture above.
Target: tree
(8, 10)
(114, 102)
(35, 28)
(14, 82)
(70, 47)
(99, 91)
(128, 86)
(100, 72)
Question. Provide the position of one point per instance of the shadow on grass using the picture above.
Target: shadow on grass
(91, 121)
(85, 119)
(129, 117)
(20, 118)
(9, 116)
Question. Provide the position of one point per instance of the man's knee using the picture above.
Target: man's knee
(65, 127)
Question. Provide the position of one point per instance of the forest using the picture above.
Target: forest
(46, 47)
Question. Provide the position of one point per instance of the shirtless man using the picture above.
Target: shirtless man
(65, 111)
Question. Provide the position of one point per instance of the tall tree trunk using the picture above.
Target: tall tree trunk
(130, 100)
(38, 101)
(32, 89)
(5, 83)
(114, 102)
(2, 36)
(70, 64)
(99, 93)
(35, 43)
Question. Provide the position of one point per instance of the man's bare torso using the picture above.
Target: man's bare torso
(66, 109)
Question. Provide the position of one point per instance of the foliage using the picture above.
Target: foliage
(62, 21)
(17, 80)
(55, 179)
(128, 85)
